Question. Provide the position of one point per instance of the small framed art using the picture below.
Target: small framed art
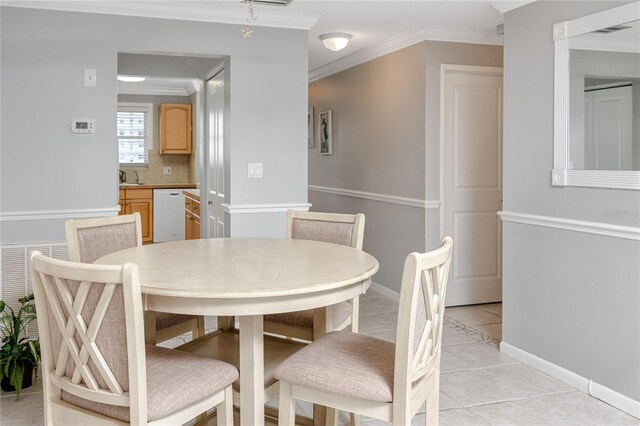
(325, 133)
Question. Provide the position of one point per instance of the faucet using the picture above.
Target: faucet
(123, 176)
(137, 178)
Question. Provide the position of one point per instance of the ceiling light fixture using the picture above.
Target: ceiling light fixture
(335, 41)
(131, 79)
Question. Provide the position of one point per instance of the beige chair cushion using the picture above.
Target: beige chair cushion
(343, 363)
(175, 380)
(304, 319)
(316, 230)
(165, 320)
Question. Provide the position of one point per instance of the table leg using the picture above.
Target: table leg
(251, 370)
(321, 324)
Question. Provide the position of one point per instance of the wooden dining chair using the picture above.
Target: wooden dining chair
(344, 229)
(90, 239)
(372, 377)
(95, 366)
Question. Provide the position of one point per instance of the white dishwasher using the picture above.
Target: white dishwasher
(168, 215)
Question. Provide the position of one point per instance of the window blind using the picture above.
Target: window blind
(133, 135)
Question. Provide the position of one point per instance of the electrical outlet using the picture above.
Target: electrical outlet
(167, 170)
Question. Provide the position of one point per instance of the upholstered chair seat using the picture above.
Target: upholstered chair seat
(304, 319)
(168, 393)
(365, 362)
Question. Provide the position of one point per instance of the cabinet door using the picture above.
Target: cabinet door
(121, 198)
(145, 208)
(196, 227)
(188, 226)
(175, 129)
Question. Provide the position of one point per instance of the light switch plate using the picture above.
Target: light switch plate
(90, 77)
(254, 170)
(166, 170)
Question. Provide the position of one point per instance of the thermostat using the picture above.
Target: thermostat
(83, 126)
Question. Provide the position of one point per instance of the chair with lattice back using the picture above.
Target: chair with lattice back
(343, 229)
(95, 366)
(90, 239)
(368, 376)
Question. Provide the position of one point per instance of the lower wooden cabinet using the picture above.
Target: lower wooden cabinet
(191, 218)
(141, 201)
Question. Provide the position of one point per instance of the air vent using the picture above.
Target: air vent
(613, 29)
(269, 2)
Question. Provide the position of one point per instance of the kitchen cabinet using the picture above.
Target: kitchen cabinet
(191, 217)
(175, 129)
(139, 200)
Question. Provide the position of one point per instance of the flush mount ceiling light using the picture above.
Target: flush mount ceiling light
(335, 41)
(131, 79)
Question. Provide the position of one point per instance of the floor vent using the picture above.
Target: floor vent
(15, 281)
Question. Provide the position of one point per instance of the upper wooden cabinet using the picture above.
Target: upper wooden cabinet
(175, 129)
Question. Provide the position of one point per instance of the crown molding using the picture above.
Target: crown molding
(431, 33)
(505, 6)
(157, 91)
(185, 11)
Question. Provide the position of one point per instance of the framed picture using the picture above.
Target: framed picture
(326, 133)
(310, 133)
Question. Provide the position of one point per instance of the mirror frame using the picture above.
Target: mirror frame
(562, 175)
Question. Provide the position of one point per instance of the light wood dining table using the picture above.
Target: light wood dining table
(248, 278)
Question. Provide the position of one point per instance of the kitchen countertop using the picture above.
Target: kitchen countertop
(192, 193)
(158, 186)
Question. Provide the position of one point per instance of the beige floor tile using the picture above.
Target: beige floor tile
(472, 316)
(451, 336)
(473, 387)
(375, 322)
(373, 306)
(586, 410)
(531, 381)
(27, 411)
(493, 330)
(522, 412)
(460, 417)
(477, 355)
(494, 308)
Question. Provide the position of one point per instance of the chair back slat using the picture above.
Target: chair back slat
(86, 328)
(421, 314)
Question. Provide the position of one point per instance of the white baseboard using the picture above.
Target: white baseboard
(394, 295)
(583, 384)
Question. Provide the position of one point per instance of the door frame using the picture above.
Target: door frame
(444, 70)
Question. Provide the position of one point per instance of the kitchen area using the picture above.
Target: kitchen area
(158, 146)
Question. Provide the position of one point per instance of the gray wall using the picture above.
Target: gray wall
(569, 298)
(386, 120)
(45, 168)
(378, 128)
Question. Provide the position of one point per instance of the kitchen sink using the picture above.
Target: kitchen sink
(132, 184)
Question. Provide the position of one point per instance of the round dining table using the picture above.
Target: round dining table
(248, 278)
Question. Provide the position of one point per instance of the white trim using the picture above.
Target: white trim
(504, 6)
(562, 174)
(264, 208)
(58, 214)
(405, 201)
(227, 14)
(157, 90)
(598, 391)
(385, 291)
(433, 33)
(597, 228)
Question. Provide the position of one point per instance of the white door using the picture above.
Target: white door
(215, 163)
(472, 181)
(609, 128)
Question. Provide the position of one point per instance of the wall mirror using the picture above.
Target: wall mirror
(597, 100)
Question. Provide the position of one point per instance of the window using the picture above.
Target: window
(135, 134)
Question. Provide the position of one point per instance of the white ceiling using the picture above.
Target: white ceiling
(372, 22)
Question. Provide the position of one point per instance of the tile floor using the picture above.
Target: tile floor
(479, 385)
